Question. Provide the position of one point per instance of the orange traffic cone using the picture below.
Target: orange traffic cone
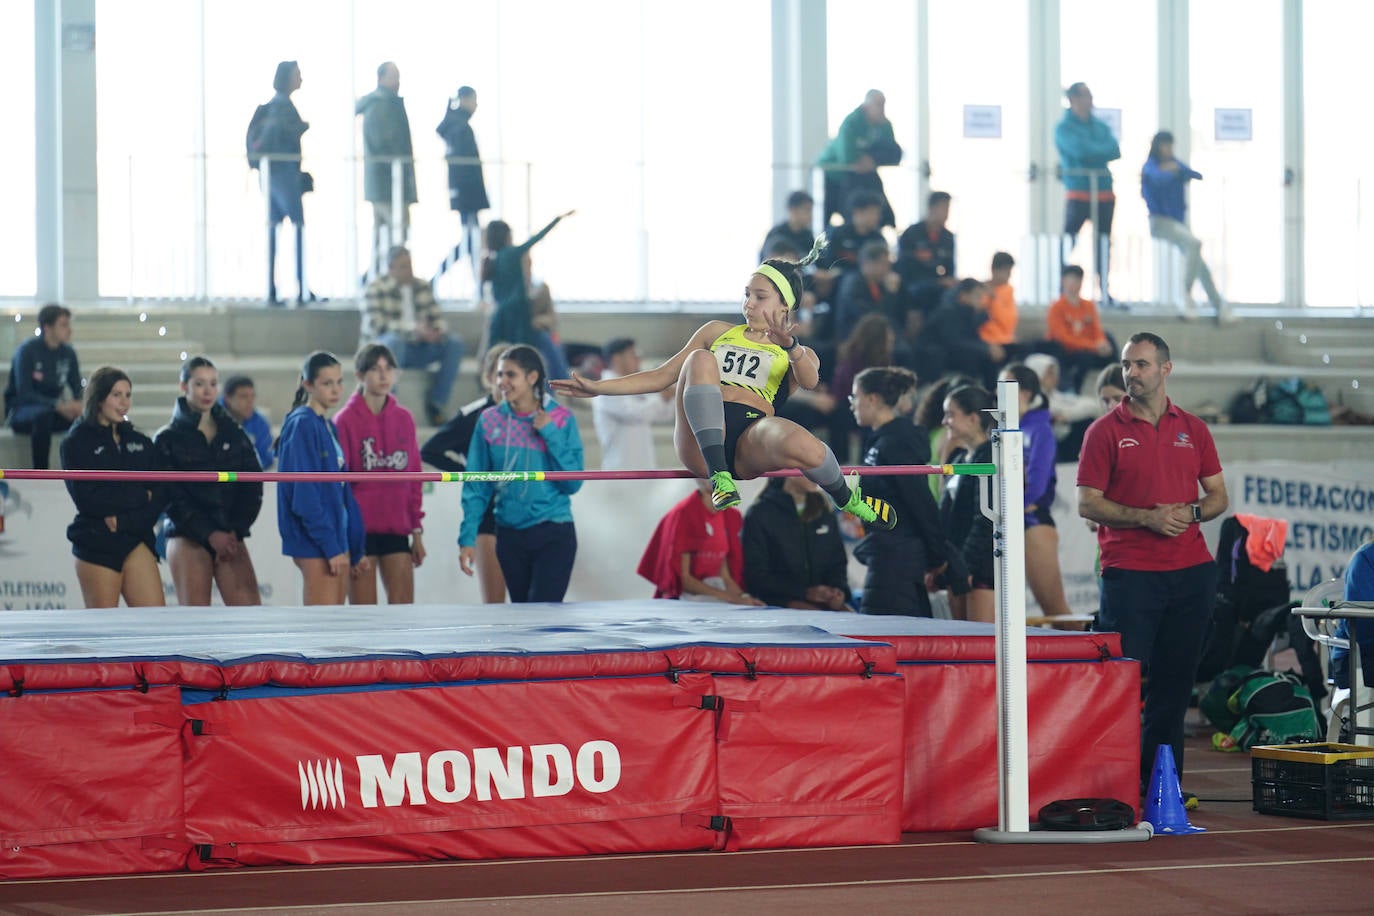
(1164, 798)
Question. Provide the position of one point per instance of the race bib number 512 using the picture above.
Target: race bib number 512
(743, 367)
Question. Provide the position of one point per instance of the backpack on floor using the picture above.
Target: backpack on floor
(1272, 708)
(1294, 401)
(1251, 404)
(1215, 703)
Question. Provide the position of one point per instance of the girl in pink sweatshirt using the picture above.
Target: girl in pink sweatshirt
(378, 434)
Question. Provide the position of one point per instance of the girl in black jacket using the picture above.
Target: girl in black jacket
(793, 554)
(897, 559)
(968, 422)
(207, 522)
(112, 534)
(447, 450)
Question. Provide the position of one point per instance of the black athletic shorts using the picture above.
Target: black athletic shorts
(1041, 516)
(488, 523)
(379, 545)
(738, 418)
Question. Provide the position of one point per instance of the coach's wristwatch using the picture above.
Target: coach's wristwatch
(1197, 513)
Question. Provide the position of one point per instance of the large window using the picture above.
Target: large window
(651, 120)
(986, 174)
(18, 273)
(1338, 179)
(869, 46)
(661, 147)
(1112, 48)
(147, 109)
(1237, 209)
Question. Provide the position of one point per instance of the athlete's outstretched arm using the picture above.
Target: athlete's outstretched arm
(649, 380)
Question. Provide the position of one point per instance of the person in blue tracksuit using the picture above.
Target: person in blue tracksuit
(320, 523)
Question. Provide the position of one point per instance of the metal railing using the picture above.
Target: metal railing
(670, 238)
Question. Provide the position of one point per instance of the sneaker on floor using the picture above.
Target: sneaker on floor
(1189, 801)
(435, 416)
(724, 492)
(869, 509)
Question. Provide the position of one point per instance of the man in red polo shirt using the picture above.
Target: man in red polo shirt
(1138, 478)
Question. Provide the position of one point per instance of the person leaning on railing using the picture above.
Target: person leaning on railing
(851, 160)
(1162, 182)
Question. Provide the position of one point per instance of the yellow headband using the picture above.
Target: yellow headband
(772, 273)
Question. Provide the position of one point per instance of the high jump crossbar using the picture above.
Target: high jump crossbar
(454, 476)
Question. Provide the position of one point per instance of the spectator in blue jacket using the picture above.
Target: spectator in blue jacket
(240, 398)
(1359, 586)
(1086, 145)
(44, 391)
(536, 541)
(320, 523)
(1162, 184)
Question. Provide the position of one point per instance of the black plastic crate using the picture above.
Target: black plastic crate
(1330, 782)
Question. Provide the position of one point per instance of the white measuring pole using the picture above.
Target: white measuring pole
(1013, 734)
(1009, 548)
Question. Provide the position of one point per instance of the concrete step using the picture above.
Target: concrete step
(1319, 444)
(123, 353)
(1307, 335)
(1194, 385)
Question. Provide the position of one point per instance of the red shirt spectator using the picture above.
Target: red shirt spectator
(712, 541)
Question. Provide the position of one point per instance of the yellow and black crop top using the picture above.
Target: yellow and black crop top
(759, 367)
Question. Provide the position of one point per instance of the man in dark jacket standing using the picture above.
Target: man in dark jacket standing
(386, 142)
(467, 189)
(43, 366)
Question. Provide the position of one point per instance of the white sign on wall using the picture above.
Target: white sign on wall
(1329, 510)
(1234, 123)
(983, 122)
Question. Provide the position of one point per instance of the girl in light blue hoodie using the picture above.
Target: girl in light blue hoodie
(536, 541)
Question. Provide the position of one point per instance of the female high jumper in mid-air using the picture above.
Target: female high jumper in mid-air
(731, 380)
